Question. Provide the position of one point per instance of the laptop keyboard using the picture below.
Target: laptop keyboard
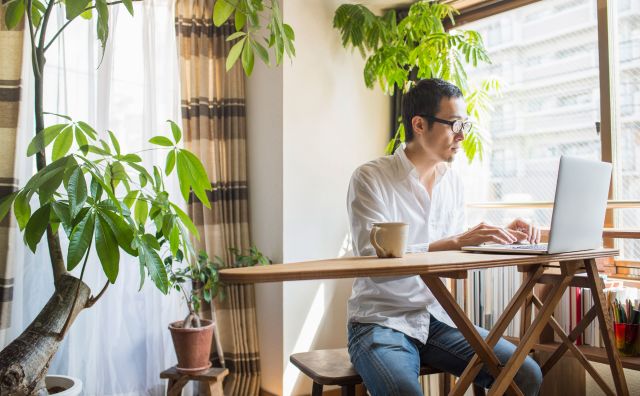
(529, 247)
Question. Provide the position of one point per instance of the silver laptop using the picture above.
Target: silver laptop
(578, 211)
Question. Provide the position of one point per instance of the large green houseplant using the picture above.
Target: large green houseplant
(101, 198)
(398, 51)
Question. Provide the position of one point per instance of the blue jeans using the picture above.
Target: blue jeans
(389, 361)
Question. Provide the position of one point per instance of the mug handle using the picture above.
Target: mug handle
(374, 242)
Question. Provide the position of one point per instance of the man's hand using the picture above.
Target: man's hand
(532, 233)
(485, 233)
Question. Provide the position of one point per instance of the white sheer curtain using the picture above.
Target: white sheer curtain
(121, 344)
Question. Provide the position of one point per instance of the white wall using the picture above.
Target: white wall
(331, 123)
(264, 147)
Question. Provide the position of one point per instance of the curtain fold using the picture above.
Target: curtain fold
(10, 69)
(213, 118)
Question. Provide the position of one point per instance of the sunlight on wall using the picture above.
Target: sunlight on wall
(305, 339)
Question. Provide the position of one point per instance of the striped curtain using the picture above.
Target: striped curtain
(213, 117)
(10, 68)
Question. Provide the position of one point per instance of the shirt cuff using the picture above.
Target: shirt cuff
(418, 248)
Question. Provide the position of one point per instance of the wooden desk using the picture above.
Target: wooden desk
(454, 264)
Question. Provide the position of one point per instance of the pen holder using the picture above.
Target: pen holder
(627, 338)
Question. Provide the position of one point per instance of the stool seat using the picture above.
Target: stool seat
(333, 367)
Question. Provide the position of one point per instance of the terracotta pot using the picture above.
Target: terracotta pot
(192, 346)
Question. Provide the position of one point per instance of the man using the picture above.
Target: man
(395, 324)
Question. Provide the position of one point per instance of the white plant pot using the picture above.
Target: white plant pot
(72, 386)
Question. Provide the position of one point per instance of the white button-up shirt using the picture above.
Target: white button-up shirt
(387, 190)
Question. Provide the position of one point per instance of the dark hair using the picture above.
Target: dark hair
(424, 98)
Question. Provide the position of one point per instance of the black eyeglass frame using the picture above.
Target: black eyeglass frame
(456, 124)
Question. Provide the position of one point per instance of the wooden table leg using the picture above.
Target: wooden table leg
(568, 269)
(606, 328)
(465, 326)
(214, 388)
(498, 329)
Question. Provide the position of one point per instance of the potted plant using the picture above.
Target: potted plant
(199, 281)
(400, 50)
(101, 198)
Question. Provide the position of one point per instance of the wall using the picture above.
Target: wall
(310, 124)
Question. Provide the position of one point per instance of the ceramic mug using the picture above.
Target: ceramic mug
(389, 239)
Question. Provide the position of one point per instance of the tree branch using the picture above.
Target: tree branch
(68, 321)
(34, 53)
(93, 300)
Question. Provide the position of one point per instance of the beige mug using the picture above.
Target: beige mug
(389, 239)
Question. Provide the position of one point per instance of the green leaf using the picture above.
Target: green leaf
(121, 229)
(44, 138)
(141, 211)
(36, 226)
(240, 21)
(262, 52)
(175, 130)
(107, 248)
(114, 140)
(288, 31)
(75, 7)
(130, 198)
(247, 59)
(61, 211)
(184, 176)
(80, 240)
(199, 178)
(96, 189)
(81, 140)
(88, 130)
(88, 15)
(102, 26)
(186, 221)
(22, 209)
(174, 240)
(129, 5)
(62, 144)
(5, 204)
(129, 158)
(234, 53)
(161, 141)
(77, 191)
(221, 12)
(171, 162)
(237, 34)
(13, 14)
(150, 259)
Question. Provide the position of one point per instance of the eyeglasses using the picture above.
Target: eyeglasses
(457, 126)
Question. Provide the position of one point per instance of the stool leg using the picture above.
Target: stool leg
(316, 390)
(215, 389)
(348, 390)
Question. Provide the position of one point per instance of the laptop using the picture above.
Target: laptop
(578, 214)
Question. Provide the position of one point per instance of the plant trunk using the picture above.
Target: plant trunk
(24, 362)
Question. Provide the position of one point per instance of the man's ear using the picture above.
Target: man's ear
(419, 125)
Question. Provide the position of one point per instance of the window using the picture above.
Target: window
(551, 108)
(626, 68)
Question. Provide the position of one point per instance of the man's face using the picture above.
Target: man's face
(439, 141)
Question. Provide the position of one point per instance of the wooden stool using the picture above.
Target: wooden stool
(333, 367)
(213, 378)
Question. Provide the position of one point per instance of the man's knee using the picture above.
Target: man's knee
(529, 377)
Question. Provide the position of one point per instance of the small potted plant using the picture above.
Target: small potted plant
(199, 281)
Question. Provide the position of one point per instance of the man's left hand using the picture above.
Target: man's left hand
(533, 233)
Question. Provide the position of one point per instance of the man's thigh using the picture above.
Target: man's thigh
(387, 360)
(448, 350)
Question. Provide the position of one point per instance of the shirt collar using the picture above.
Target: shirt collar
(406, 167)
